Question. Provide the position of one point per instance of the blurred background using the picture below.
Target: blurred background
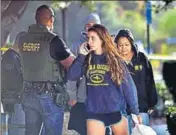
(153, 24)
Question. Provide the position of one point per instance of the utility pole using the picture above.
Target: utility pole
(64, 24)
(148, 22)
(63, 7)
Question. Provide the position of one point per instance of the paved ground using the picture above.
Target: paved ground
(159, 127)
(65, 131)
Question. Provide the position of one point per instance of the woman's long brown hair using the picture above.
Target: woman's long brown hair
(113, 57)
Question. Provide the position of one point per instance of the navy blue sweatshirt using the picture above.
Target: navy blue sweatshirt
(103, 95)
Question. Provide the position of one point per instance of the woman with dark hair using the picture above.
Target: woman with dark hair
(109, 84)
(141, 72)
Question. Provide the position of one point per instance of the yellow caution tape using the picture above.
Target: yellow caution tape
(4, 48)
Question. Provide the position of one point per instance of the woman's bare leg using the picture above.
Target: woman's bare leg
(95, 127)
(121, 128)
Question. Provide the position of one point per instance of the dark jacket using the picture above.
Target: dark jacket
(142, 74)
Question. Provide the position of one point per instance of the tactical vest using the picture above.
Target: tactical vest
(34, 49)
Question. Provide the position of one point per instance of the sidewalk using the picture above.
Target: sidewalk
(65, 131)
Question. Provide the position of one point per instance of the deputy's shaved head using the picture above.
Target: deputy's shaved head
(43, 13)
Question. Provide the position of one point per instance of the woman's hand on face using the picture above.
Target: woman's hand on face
(83, 49)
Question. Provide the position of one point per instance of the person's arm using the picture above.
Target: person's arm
(68, 61)
(59, 51)
(76, 70)
(151, 88)
(130, 93)
(72, 91)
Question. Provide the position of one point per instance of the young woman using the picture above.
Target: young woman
(109, 84)
(77, 89)
(141, 72)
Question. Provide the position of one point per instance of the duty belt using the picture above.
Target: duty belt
(39, 87)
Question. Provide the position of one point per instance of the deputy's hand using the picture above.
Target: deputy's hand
(72, 102)
(83, 49)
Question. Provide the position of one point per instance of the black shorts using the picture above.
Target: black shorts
(107, 118)
(77, 119)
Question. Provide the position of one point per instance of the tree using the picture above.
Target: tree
(164, 27)
(119, 17)
(11, 12)
(90, 4)
(163, 5)
(166, 23)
